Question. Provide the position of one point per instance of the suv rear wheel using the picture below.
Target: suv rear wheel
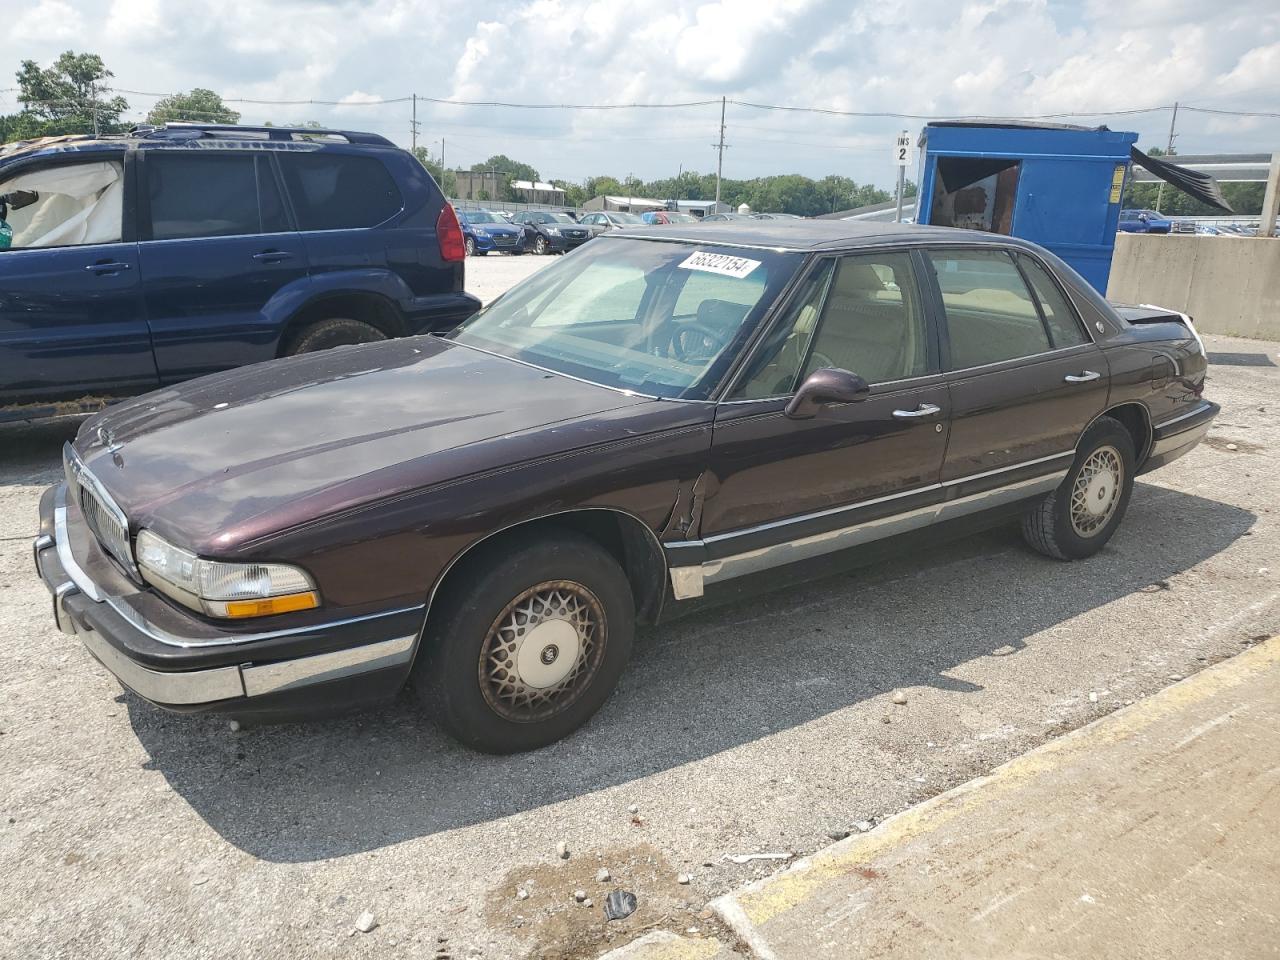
(334, 332)
(530, 644)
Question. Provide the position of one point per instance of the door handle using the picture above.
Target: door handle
(272, 256)
(1084, 377)
(924, 410)
(103, 269)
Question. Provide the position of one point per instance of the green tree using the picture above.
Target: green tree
(68, 97)
(200, 105)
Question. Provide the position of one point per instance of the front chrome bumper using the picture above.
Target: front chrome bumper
(81, 609)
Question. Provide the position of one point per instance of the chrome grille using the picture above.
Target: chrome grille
(105, 519)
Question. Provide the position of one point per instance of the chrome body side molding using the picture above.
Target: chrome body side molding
(689, 581)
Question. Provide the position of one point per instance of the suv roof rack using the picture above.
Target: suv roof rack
(181, 130)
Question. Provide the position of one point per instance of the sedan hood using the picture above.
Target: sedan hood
(219, 461)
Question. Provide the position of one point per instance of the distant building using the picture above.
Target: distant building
(470, 184)
(527, 191)
(624, 204)
(700, 208)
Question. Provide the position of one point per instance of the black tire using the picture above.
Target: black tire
(540, 245)
(1048, 527)
(464, 638)
(470, 244)
(334, 332)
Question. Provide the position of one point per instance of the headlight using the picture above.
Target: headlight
(231, 590)
(554, 231)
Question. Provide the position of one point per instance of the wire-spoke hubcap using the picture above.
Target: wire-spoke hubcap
(1096, 491)
(542, 650)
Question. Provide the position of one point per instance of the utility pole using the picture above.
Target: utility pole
(93, 106)
(1167, 151)
(413, 125)
(720, 154)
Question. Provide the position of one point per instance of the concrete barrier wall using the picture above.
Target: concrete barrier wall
(1229, 285)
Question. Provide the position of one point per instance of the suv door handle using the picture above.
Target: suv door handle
(272, 256)
(924, 410)
(1084, 377)
(107, 267)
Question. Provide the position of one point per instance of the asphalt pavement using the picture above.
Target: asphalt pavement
(767, 726)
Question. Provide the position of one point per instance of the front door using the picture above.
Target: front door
(216, 248)
(784, 489)
(71, 322)
(1025, 377)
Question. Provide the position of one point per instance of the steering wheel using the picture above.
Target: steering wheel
(696, 341)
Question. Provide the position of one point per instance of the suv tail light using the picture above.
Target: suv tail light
(449, 235)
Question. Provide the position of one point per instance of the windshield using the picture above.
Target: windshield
(482, 216)
(627, 218)
(662, 319)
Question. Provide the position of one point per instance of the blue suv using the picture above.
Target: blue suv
(132, 262)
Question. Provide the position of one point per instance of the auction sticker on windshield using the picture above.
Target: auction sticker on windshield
(720, 263)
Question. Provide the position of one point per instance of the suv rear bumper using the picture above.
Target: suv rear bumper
(200, 678)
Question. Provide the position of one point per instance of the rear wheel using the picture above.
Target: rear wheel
(1077, 519)
(529, 646)
(334, 332)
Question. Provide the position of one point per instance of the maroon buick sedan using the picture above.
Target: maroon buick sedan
(487, 516)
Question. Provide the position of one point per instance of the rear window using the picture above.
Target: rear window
(333, 191)
(212, 195)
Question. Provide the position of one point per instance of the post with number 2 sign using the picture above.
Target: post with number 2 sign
(902, 150)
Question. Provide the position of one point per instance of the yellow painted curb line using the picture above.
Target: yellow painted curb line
(760, 902)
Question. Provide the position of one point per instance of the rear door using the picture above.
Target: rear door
(217, 246)
(71, 322)
(1024, 376)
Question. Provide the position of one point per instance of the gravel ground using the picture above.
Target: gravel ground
(491, 275)
(763, 726)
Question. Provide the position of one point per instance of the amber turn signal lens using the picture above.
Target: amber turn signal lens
(262, 608)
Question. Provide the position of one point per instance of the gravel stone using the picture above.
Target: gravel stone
(366, 922)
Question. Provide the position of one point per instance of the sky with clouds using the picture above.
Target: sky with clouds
(928, 57)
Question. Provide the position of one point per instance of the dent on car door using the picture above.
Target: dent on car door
(787, 489)
(1026, 378)
(71, 320)
(217, 246)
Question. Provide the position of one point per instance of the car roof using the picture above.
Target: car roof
(818, 234)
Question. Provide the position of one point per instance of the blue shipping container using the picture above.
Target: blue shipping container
(1058, 186)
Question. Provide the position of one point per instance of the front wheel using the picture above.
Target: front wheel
(470, 244)
(529, 645)
(1078, 518)
(540, 246)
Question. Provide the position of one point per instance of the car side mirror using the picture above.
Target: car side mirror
(825, 386)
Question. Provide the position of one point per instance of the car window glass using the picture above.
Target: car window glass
(871, 323)
(699, 287)
(334, 191)
(607, 314)
(601, 293)
(64, 205)
(270, 201)
(1064, 328)
(205, 195)
(990, 313)
(777, 362)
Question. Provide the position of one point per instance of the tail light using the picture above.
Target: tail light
(449, 235)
